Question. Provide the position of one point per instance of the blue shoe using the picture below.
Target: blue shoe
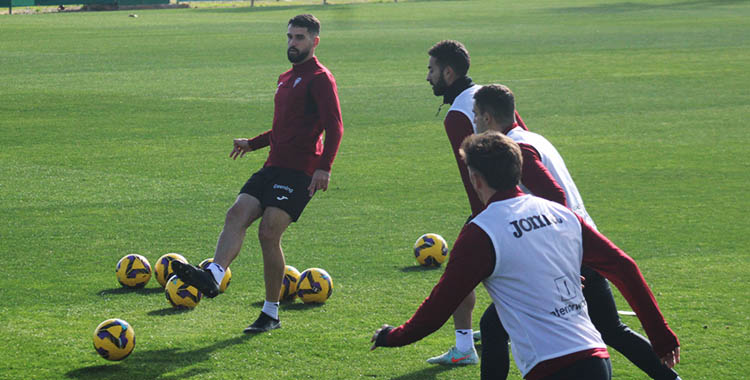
(456, 357)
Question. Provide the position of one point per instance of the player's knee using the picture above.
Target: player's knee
(268, 235)
(238, 216)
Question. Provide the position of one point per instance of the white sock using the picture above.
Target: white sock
(271, 308)
(464, 340)
(217, 271)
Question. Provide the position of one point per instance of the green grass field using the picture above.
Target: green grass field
(115, 134)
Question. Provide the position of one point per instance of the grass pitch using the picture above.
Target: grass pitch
(115, 133)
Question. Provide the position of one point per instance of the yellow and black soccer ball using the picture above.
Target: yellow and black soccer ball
(227, 274)
(114, 339)
(315, 286)
(133, 271)
(430, 250)
(182, 295)
(164, 269)
(289, 284)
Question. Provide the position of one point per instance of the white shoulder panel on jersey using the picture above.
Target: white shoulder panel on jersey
(464, 103)
(554, 162)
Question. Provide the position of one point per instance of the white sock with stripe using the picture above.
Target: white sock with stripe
(271, 308)
(217, 271)
(464, 340)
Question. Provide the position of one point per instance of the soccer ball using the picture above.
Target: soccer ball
(227, 274)
(430, 250)
(133, 271)
(289, 284)
(315, 286)
(182, 295)
(114, 339)
(164, 267)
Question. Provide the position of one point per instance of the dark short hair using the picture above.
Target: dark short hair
(496, 157)
(451, 53)
(498, 101)
(308, 21)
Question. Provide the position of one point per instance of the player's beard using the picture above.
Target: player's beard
(298, 57)
(439, 87)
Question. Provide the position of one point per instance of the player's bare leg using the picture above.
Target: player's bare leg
(275, 221)
(462, 315)
(240, 216)
(245, 210)
(464, 352)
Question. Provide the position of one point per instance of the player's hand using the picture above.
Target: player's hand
(319, 181)
(672, 358)
(240, 147)
(375, 337)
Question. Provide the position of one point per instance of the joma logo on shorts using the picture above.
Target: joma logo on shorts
(282, 187)
(533, 223)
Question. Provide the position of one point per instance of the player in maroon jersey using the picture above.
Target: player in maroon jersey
(447, 73)
(306, 106)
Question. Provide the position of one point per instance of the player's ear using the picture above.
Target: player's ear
(487, 118)
(316, 41)
(448, 74)
(475, 178)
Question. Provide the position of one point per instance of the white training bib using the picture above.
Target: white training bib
(536, 284)
(552, 159)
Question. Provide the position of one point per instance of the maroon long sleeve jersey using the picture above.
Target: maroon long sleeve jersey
(305, 106)
(473, 259)
(534, 175)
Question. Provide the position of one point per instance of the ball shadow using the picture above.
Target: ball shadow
(419, 268)
(168, 311)
(123, 290)
(153, 364)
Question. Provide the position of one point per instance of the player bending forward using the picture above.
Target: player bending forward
(528, 252)
(299, 163)
(447, 73)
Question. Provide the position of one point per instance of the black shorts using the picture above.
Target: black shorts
(280, 187)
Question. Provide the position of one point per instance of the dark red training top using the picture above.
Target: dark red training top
(306, 104)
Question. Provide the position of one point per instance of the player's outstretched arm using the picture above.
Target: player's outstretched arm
(606, 258)
(383, 329)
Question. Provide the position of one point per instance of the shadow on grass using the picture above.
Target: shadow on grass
(300, 306)
(418, 268)
(292, 305)
(168, 311)
(155, 363)
(426, 373)
(122, 290)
